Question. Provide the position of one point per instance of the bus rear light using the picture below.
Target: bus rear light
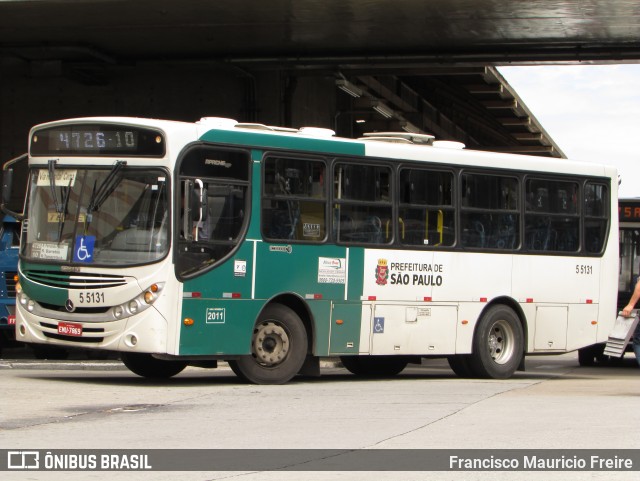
(589, 301)
(188, 321)
(313, 296)
(427, 299)
(529, 300)
(483, 299)
(190, 295)
(371, 298)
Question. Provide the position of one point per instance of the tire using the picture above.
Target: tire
(146, 365)
(374, 366)
(460, 364)
(278, 348)
(498, 344)
(592, 355)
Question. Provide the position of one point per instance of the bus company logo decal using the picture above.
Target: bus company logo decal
(332, 270)
(218, 163)
(382, 272)
(286, 249)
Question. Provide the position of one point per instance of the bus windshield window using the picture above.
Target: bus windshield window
(128, 224)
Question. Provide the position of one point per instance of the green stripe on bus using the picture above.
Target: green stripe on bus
(301, 143)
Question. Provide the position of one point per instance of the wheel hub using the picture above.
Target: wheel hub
(270, 343)
(499, 343)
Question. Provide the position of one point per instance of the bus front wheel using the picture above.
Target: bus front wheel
(498, 344)
(278, 348)
(146, 365)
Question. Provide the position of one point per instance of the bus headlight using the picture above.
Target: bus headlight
(23, 299)
(139, 303)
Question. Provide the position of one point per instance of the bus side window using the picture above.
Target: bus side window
(490, 216)
(596, 218)
(426, 213)
(362, 204)
(294, 199)
(551, 219)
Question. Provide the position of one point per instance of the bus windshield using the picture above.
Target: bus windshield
(106, 216)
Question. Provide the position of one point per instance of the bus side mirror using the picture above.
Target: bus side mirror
(7, 187)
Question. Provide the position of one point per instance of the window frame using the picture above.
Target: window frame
(266, 155)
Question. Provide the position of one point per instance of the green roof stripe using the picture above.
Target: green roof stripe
(292, 142)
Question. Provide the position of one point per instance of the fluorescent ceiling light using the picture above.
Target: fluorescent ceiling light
(409, 127)
(349, 88)
(382, 109)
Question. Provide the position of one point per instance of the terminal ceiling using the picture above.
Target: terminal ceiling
(414, 56)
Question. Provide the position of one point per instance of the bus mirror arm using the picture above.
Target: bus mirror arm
(200, 208)
(7, 186)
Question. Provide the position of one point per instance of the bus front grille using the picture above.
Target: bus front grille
(89, 334)
(77, 280)
(79, 310)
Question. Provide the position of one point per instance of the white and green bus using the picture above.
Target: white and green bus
(180, 244)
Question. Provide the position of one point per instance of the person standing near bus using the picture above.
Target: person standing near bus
(627, 313)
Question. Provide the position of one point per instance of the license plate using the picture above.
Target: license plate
(11, 320)
(69, 329)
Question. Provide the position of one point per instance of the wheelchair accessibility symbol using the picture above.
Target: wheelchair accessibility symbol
(378, 325)
(83, 252)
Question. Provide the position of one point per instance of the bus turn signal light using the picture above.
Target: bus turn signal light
(188, 321)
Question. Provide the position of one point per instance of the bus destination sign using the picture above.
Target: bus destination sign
(629, 211)
(93, 139)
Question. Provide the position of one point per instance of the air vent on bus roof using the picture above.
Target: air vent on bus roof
(399, 137)
(448, 144)
(219, 122)
(270, 128)
(316, 132)
(392, 140)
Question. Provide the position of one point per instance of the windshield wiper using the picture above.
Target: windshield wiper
(102, 192)
(61, 208)
(52, 185)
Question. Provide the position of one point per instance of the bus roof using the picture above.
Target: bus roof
(386, 145)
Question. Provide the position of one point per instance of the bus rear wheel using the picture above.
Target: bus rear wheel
(278, 348)
(146, 365)
(460, 365)
(498, 344)
(374, 366)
